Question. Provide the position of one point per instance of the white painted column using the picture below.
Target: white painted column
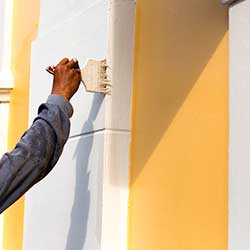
(239, 125)
(118, 122)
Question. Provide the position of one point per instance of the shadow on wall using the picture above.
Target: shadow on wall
(80, 210)
(174, 42)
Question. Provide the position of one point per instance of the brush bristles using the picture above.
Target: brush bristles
(94, 77)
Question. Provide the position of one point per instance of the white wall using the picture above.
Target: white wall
(83, 203)
(239, 150)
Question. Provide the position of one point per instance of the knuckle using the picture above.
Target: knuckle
(64, 67)
(58, 69)
(65, 60)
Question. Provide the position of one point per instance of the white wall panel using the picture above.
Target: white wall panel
(56, 12)
(239, 151)
(64, 210)
(83, 36)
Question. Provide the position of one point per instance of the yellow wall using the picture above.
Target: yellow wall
(178, 198)
(25, 24)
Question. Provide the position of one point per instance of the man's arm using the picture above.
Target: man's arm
(41, 145)
(37, 152)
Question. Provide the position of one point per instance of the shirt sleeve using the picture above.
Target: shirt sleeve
(37, 152)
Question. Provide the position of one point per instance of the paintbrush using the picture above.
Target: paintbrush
(93, 75)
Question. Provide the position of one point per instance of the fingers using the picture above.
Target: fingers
(73, 63)
(51, 69)
(70, 64)
(63, 61)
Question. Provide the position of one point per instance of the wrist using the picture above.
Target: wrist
(65, 95)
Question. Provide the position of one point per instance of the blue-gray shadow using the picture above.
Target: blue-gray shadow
(80, 209)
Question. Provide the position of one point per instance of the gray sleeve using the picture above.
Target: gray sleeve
(37, 152)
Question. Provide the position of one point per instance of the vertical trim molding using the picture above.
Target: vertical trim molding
(239, 144)
(120, 58)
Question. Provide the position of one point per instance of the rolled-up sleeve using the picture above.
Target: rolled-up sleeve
(37, 152)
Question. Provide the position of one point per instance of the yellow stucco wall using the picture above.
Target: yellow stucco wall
(25, 25)
(179, 162)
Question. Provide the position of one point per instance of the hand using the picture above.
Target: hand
(67, 78)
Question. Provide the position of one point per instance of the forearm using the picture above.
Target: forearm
(37, 152)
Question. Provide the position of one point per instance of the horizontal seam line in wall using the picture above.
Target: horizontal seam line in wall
(101, 130)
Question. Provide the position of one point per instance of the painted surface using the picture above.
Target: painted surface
(54, 13)
(67, 206)
(64, 211)
(25, 21)
(83, 203)
(118, 125)
(180, 127)
(239, 160)
(91, 213)
(121, 60)
(67, 40)
(73, 208)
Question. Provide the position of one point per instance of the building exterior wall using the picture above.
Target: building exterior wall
(179, 154)
(83, 203)
(179, 158)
